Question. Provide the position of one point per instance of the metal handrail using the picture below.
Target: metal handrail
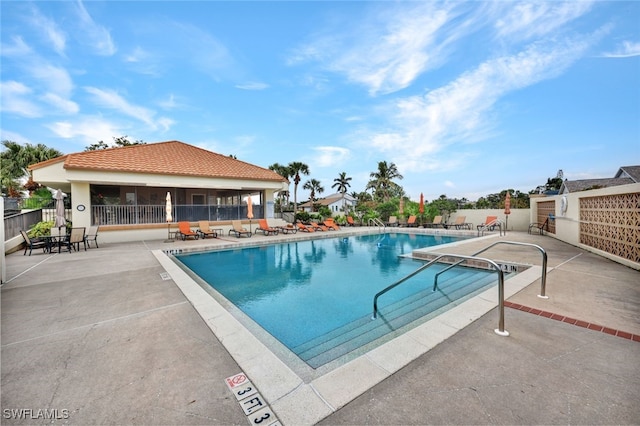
(377, 221)
(500, 330)
(543, 279)
(486, 226)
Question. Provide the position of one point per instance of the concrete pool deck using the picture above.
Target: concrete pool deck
(110, 337)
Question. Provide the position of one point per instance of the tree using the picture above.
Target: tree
(382, 181)
(342, 184)
(16, 159)
(315, 187)
(285, 172)
(295, 168)
(118, 142)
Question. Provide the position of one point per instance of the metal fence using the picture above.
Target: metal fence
(133, 215)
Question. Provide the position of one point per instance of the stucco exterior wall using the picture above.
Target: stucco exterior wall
(518, 220)
(567, 222)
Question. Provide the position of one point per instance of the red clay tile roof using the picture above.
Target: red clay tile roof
(166, 158)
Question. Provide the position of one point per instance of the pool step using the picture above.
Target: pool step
(391, 317)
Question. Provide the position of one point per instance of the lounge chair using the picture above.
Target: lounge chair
(436, 223)
(34, 243)
(460, 223)
(304, 228)
(263, 226)
(184, 231)
(204, 229)
(411, 221)
(331, 224)
(393, 221)
(92, 235)
(489, 223)
(350, 221)
(288, 229)
(316, 226)
(238, 230)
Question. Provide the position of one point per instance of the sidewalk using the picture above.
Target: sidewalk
(103, 335)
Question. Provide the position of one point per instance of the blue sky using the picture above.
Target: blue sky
(466, 98)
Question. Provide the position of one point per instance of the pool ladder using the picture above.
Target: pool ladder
(500, 330)
(374, 221)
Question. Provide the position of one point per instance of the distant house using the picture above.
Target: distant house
(125, 188)
(335, 202)
(626, 175)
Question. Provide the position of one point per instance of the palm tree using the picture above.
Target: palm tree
(342, 182)
(285, 172)
(382, 180)
(15, 160)
(295, 168)
(315, 187)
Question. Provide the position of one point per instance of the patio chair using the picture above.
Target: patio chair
(436, 223)
(263, 226)
(393, 221)
(34, 243)
(540, 226)
(350, 221)
(304, 228)
(184, 231)
(331, 224)
(489, 223)
(92, 235)
(460, 223)
(75, 238)
(239, 230)
(411, 222)
(204, 229)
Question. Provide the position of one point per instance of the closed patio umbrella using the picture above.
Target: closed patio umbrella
(168, 208)
(421, 207)
(60, 220)
(249, 211)
(507, 209)
(401, 207)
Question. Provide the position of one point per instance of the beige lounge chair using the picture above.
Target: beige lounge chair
(436, 223)
(239, 230)
(204, 229)
(393, 221)
(460, 223)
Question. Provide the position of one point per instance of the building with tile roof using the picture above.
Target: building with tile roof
(125, 188)
(335, 202)
(626, 175)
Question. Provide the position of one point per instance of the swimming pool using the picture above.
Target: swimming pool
(315, 296)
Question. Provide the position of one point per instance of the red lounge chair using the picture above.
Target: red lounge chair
(263, 226)
(305, 228)
(350, 221)
(184, 231)
(331, 224)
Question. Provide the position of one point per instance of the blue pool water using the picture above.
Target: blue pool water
(316, 296)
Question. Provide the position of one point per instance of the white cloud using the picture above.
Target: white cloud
(98, 36)
(15, 100)
(49, 28)
(17, 48)
(330, 156)
(625, 50)
(461, 112)
(61, 104)
(111, 99)
(252, 85)
(533, 19)
(89, 129)
(385, 52)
